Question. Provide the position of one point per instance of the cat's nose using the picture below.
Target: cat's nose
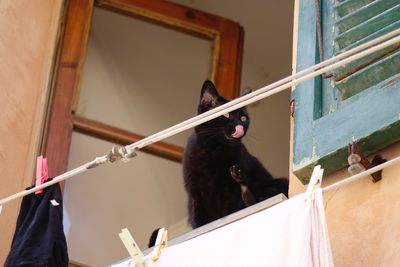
(239, 131)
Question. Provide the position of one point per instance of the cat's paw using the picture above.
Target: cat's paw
(237, 174)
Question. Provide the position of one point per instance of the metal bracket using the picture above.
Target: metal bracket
(292, 107)
(356, 158)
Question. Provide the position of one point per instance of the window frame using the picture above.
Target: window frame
(227, 37)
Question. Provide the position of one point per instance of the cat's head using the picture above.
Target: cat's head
(229, 128)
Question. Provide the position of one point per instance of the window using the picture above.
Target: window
(360, 102)
(227, 42)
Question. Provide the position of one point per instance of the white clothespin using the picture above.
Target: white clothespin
(132, 247)
(315, 182)
(161, 243)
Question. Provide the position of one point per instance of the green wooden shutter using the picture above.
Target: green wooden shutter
(363, 105)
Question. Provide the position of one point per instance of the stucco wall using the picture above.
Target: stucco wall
(28, 32)
(363, 217)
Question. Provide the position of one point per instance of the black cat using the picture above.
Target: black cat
(220, 176)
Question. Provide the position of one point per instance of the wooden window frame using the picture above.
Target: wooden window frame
(227, 37)
(371, 118)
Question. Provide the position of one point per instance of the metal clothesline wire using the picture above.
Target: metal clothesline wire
(313, 71)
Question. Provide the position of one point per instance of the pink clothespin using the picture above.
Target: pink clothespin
(42, 172)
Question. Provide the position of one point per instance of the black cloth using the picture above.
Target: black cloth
(39, 238)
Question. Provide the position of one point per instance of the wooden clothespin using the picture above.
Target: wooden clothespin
(42, 172)
(132, 247)
(161, 243)
(315, 182)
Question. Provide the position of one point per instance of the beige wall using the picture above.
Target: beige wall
(27, 36)
(363, 217)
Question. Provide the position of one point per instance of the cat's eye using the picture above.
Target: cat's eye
(226, 115)
(243, 118)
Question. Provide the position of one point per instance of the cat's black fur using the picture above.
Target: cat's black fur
(220, 175)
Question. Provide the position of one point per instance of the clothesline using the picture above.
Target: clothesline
(129, 151)
(360, 175)
(273, 88)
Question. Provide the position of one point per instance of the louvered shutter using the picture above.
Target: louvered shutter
(362, 101)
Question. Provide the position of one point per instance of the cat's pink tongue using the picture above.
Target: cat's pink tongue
(239, 131)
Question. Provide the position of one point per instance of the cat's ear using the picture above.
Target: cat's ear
(209, 95)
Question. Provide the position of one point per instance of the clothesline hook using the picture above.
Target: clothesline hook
(358, 162)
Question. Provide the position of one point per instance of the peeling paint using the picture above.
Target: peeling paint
(304, 162)
(391, 82)
(314, 147)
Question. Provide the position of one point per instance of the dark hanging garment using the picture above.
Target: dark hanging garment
(39, 238)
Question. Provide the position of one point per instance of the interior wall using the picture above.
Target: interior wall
(363, 217)
(28, 31)
(141, 195)
(142, 77)
(266, 59)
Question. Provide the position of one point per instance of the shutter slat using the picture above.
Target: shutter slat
(369, 76)
(364, 13)
(366, 22)
(350, 66)
(349, 6)
(382, 31)
(368, 27)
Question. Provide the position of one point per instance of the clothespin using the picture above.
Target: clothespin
(161, 243)
(1, 208)
(132, 247)
(42, 172)
(315, 182)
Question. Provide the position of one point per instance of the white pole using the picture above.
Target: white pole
(272, 86)
(361, 174)
(251, 98)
